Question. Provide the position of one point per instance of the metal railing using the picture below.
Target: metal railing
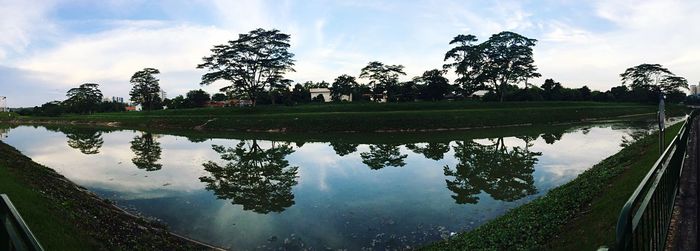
(644, 221)
(14, 233)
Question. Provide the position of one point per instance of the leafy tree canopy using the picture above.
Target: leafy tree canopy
(653, 77)
(253, 62)
(146, 88)
(85, 98)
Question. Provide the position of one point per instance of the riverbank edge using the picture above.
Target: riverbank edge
(534, 225)
(107, 226)
(146, 123)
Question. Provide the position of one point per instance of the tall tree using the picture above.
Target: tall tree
(146, 88)
(383, 155)
(252, 63)
(653, 77)
(505, 58)
(468, 60)
(383, 78)
(509, 60)
(342, 85)
(85, 98)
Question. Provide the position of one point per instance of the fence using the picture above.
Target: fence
(14, 233)
(644, 220)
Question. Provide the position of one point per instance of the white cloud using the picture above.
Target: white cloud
(20, 22)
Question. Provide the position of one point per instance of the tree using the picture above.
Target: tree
(252, 63)
(146, 89)
(300, 94)
(505, 58)
(383, 78)
(147, 152)
(342, 85)
(219, 97)
(468, 61)
(653, 77)
(259, 179)
(342, 149)
(509, 59)
(85, 98)
(434, 151)
(435, 86)
(198, 98)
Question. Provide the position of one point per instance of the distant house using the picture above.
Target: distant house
(326, 93)
(230, 103)
(217, 104)
(133, 108)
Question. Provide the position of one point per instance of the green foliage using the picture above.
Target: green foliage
(83, 99)
(383, 78)
(505, 58)
(198, 98)
(383, 155)
(653, 77)
(433, 85)
(219, 97)
(342, 85)
(252, 63)
(146, 89)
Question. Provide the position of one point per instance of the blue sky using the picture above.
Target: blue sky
(47, 47)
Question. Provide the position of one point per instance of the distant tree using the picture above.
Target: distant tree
(342, 85)
(407, 91)
(509, 60)
(552, 90)
(85, 98)
(505, 58)
(198, 98)
(383, 77)
(435, 86)
(145, 90)
(653, 77)
(343, 149)
(219, 97)
(619, 93)
(585, 93)
(434, 151)
(300, 94)
(87, 141)
(468, 60)
(319, 99)
(252, 63)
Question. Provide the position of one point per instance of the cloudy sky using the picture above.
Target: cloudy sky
(47, 47)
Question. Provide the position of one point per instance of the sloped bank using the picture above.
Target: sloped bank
(537, 224)
(65, 216)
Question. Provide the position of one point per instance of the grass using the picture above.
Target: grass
(579, 215)
(52, 230)
(597, 226)
(364, 117)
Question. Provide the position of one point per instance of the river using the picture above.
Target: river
(383, 191)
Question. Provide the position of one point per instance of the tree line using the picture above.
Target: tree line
(255, 65)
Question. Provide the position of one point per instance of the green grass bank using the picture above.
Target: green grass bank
(364, 117)
(579, 215)
(64, 216)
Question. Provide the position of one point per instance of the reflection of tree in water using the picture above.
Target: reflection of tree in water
(147, 152)
(383, 155)
(633, 136)
(88, 141)
(343, 149)
(552, 137)
(504, 174)
(434, 151)
(196, 139)
(260, 180)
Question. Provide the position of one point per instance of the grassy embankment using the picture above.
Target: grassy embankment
(364, 117)
(63, 216)
(579, 215)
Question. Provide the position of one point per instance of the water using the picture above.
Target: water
(373, 191)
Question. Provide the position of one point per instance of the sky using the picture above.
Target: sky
(48, 47)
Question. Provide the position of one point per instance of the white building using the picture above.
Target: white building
(3, 104)
(693, 89)
(326, 93)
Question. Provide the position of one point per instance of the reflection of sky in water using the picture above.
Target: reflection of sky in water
(338, 201)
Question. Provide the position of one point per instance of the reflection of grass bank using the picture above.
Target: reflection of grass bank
(363, 117)
(65, 217)
(579, 215)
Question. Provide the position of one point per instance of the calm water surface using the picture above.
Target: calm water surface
(261, 194)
